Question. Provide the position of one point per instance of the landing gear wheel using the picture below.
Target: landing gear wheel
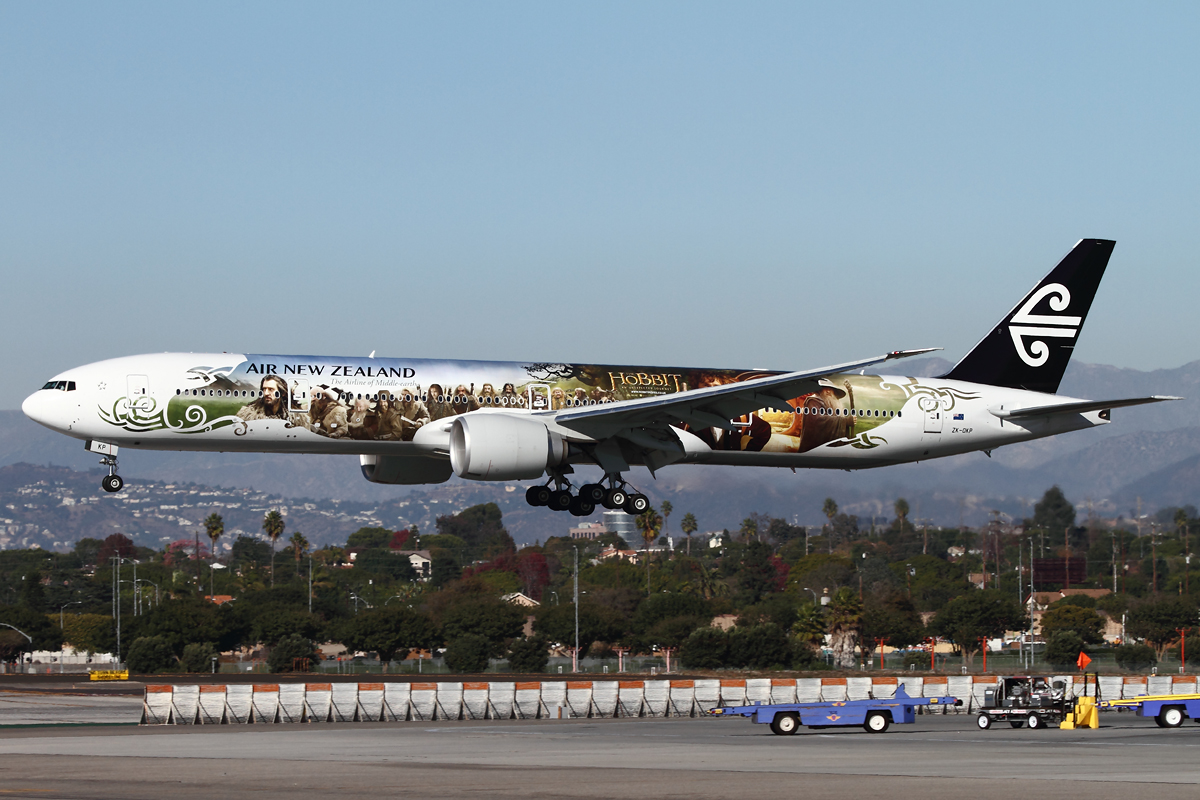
(581, 506)
(537, 495)
(112, 483)
(592, 492)
(877, 722)
(785, 723)
(1016, 723)
(560, 500)
(983, 721)
(637, 504)
(1171, 716)
(615, 499)
(1036, 723)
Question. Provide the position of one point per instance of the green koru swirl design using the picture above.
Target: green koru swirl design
(143, 415)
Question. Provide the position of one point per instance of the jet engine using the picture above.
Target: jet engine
(405, 469)
(503, 447)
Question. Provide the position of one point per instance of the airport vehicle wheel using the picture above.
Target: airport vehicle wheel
(615, 499)
(112, 483)
(1159, 721)
(560, 500)
(581, 506)
(537, 495)
(1016, 723)
(877, 722)
(785, 723)
(638, 503)
(1172, 716)
(1036, 723)
(592, 492)
(983, 721)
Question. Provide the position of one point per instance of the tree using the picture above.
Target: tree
(468, 654)
(494, 620)
(1157, 621)
(364, 538)
(300, 547)
(1063, 648)
(481, 528)
(649, 523)
(901, 508)
(688, 526)
(45, 634)
(214, 526)
(1054, 513)
(756, 575)
(809, 627)
(389, 630)
(977, 615)
(249, 551)
(894, 620)
(1085, 623)
(830, 510)
(528, 655)
(88, 551)
(385, 562)
(273, 526)
(91, 633)
(705, 648)
(149, 654)
(844, 621)
(666, 508)
(32, 595)
(197, 657)
(1134, 656)
(291, 653)
(116, 544)
(763, 646)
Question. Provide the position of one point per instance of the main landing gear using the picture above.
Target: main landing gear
(590, 495)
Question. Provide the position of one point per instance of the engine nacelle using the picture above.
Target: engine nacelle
(405, 469)
(503, 447)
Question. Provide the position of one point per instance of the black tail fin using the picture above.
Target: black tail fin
(1031, 346)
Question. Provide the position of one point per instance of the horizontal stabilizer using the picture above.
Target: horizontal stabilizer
(1081, 407)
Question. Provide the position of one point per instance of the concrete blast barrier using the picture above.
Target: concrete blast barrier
(264, 703)
(212, 705)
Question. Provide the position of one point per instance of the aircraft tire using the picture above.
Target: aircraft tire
(560, 500)
(638, 503)
(592, 492)
(615, 499)
(581, 506)
(112, 483)
(537, 495)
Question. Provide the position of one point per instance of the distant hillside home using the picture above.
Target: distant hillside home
(520, 599)
(610, 552)
(589, 531)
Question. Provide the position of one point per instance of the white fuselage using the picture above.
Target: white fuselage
(189, 401)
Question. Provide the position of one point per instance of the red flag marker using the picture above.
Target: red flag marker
(1083, 660)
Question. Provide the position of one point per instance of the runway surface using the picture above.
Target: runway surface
(938, 757)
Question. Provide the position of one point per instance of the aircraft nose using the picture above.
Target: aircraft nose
(39, 408)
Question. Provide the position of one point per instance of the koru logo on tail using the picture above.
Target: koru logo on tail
(1042, 325)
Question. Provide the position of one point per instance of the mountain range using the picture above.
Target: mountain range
(1150, 452)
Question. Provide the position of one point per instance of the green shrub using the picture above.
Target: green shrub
(528, 655)
(197, 657)
(1134, 656)
(149, 654)
(1063, 648)
(705, 648)
(284, 655)
(468, 653)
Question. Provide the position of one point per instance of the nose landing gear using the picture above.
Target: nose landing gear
(112, 481)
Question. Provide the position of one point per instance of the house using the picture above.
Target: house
(219, 599)
(520, 599)
(610, 552)
(1037, 603)
(421, 561)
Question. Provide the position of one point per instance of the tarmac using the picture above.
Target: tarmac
(83, 745)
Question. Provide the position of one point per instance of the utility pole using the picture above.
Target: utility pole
(575, 656)
(1154, 554)
(310, 583)
(1067, 562)
(1114, 559)
(1031, 602)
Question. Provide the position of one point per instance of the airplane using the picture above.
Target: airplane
(419, 421)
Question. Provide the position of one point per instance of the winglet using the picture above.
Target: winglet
(910, 353)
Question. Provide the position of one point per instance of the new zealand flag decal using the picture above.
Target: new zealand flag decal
(958, 416)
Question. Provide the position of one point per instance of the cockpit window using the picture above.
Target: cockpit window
(62, 386)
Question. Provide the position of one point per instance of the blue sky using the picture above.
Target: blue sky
(746, 185)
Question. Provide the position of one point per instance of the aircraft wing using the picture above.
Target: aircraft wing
(710, 407)
(1081, 407)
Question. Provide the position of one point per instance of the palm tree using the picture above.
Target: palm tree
(214, 526)
(809, 627)
(901, 507)
(845, 621)
(649, 523)
(667, 508)
(688, 526)
(273, 525)
(830, 509)
(707, 583)
(300, 547)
